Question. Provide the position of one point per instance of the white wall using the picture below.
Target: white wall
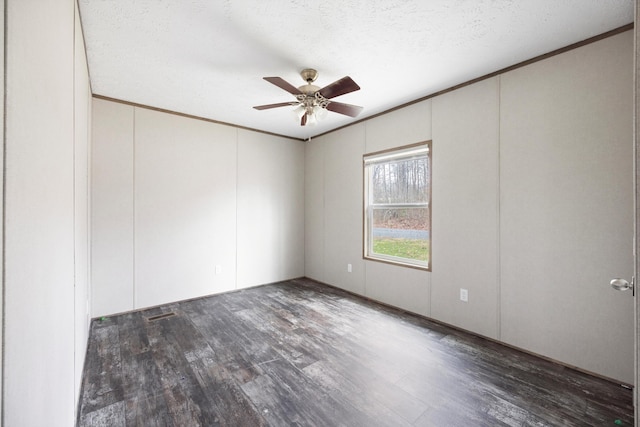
(567, 208)
(465, 207)
(342, 179)
(111, 208)
(314, 209)
(46, 223)
(185, 214)
(82, 136)
(334, 211)
(2, 162)
(270, 208)
(174, 197)
(532, 207)
(411, 288)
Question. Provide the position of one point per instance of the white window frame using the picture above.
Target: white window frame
(401, 153)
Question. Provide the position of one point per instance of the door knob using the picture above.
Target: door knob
(622, 285)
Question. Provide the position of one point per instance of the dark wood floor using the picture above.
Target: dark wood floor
(303, 354)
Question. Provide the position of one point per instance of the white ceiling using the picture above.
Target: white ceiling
(207, 57)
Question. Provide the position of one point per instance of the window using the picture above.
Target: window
(397, 211)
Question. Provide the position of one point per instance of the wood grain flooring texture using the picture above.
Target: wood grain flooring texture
(300, 353)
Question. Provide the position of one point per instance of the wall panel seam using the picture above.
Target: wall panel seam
(430, 275)
(237, 145)
(498, 211)
(4, 207)
(362, 230)
(133, 203)
(324, 212)
(74, 201)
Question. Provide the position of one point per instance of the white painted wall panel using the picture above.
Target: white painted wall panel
(343, 208)
(2, 194)
(405, 126)
(185, 192)
(567, 208)
(465, 207)
(111, 208)
(82, 120)
(402, 287)
(406, 288)
(39, 223)
(206, 195)
(314, 210)
(270, 208)
(335, 177)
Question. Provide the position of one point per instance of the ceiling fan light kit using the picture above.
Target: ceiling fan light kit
(313, 102)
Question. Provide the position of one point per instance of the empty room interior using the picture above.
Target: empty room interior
(194, 230)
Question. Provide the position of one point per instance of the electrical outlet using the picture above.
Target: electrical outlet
(349, 269)
(464, 295)
(218, 269)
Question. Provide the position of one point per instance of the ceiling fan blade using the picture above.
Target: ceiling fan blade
(303, 120)
(281, 104)
(339, 87)
(346, 109)
(283, 84)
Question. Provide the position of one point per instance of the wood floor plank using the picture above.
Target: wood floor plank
(185, 400)
(102, 385)
(147, 409)
(288, 397)
(305, 354)
(240, 350)
(298, 350)
(107, 416)
(374, 399)
(133, 333)
(225, 395)
(142, 378)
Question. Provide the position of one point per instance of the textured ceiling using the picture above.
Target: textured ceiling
(207, 58)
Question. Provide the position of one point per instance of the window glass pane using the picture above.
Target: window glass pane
(400, 181)
(401, 232)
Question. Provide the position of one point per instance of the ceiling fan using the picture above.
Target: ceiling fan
(313, 102)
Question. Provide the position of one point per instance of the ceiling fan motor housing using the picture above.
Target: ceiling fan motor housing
(309, 89)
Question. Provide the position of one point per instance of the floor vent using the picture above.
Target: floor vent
(160, 316)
